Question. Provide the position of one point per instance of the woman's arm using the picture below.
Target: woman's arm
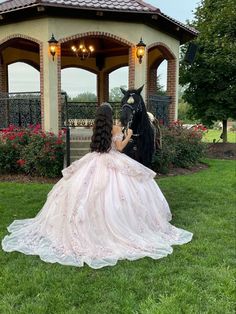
(120, 145)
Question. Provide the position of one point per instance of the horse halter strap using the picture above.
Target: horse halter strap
(131, 118)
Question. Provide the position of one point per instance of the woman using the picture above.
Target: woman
(106, 207)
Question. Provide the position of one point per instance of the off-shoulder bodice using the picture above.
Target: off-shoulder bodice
(117, 137)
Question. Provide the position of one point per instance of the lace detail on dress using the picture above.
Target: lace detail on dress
(117, 137)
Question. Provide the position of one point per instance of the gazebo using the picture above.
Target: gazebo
(52, 35)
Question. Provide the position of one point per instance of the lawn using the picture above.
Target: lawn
(197, 278)
(215, 134)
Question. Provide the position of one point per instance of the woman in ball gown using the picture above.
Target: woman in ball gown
(107, 207)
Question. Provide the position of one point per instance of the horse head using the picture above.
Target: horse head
(132, 106)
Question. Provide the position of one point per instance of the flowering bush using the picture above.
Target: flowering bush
(31, 151)
(181, 147)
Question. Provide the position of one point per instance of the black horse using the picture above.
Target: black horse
(134, 116)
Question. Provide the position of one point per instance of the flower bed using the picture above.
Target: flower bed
(181, 147)
(31, 151)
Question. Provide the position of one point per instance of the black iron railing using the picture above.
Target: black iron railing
(82, 114)
(24, 109)
(20, 109)
(159, 106)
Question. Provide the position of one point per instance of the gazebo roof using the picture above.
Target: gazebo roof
(115, 7)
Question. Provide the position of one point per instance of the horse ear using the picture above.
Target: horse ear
(123, 91)
(139, 90)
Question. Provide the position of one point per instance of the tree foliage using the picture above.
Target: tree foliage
(211, 80)
(115, 94)
(84, 97)
(160, 88)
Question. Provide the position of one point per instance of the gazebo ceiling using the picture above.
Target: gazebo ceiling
(118, 10)
(107, 47)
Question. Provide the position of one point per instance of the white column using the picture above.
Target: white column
(141, 75)
(50, 90)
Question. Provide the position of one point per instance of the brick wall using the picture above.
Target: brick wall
(132, 52)
(3, 76)
(171, 88)
(58, 61)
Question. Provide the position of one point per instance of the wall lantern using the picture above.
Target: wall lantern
(140, 50)
(53, 46)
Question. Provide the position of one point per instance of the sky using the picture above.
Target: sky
(75, 81)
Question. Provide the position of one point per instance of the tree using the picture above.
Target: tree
(160, 88)
(211, 80)
(85, 97)
(115, 94)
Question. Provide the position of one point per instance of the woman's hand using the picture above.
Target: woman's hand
(128, 133)
(120, 145)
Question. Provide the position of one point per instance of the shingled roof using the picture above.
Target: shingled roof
(117, 5)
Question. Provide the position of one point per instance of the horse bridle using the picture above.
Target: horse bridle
(139, 109)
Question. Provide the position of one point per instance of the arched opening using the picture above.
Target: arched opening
(16, 53)
(109, 52)
(20, 80)
(23, 77)
(162, 82)
(118, 78)
(162, 78)
(79, 84)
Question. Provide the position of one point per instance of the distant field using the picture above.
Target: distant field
(215, 134)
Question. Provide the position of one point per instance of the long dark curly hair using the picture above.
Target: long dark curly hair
(101, 138)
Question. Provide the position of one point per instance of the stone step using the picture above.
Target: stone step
(82, 149)
(78, 155)
(75, 158)
(79, 145)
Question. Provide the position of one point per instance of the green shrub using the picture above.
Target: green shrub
(9, 156)
(181, 147)
(31, 151)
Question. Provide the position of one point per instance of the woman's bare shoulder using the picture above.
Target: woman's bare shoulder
(116, 129)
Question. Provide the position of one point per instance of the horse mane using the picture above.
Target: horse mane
(147, 133)
(143, 147)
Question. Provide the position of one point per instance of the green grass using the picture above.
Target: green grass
(215, 134)
(197, 278)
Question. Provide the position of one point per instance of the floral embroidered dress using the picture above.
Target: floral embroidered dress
(107, 207)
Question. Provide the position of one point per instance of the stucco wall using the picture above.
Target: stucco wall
(40, 30)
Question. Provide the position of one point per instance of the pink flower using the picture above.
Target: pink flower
(11, 137)
(21, 162)
(59, 141)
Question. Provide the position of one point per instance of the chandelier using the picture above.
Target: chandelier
(82, 51)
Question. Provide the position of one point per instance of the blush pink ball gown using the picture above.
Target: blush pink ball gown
(107, 207)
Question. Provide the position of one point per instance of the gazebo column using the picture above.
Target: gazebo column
(102, 87)
(132, 56)
(140, 75)
(152, 81)
(172, 88)
(50, 90)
